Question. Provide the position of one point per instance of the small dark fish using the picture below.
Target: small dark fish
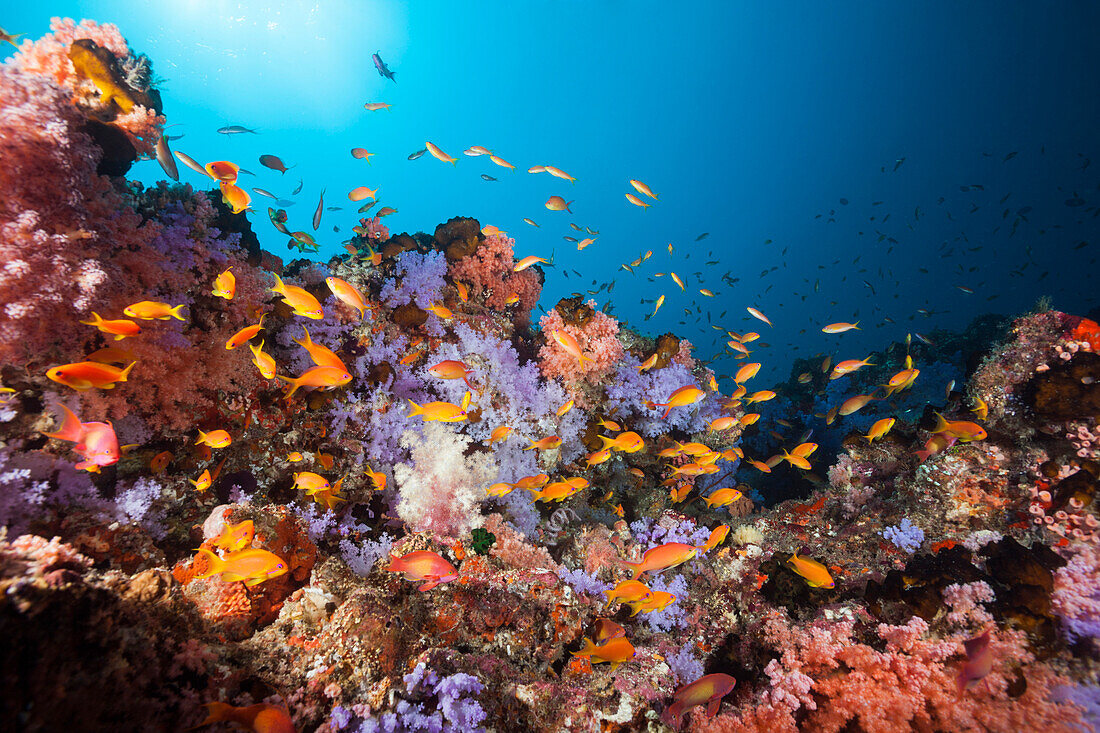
(274, 163)
(1010, 156)
(170, 138)
(574, 227)
(264, 192)
(367, 207)
(484, 176)
(702, 236)
(246, 172)
(334, 208)
(164, 157)
(844, 202)
(383, 70)
(898, 162)
(285, 202)
(336, 229)
(235, 130)
(570, 239)
(320, 210)
(417, 154)
(1075, 202)
(298, 190)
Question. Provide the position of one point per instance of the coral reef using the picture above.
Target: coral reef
(942, 577)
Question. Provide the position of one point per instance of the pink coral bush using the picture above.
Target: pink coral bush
(49, 56)
(489, 274)
(826, 680)
(598, 340)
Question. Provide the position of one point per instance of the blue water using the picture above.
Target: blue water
(750, 121)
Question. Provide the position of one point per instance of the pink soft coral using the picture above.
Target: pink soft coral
(489, 274)
(598, 340)
(825, 680)
(49, 55)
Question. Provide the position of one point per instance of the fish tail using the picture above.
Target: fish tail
(295, 384)
(96, 320)
(70, 429)
(175, 312)
(585, 650)
(634, 567)
(215, 713)
(416, 409)
(941, 423)
(126, 372)
(667, 410)
(279, 287)
(216, 563)
(202, 437)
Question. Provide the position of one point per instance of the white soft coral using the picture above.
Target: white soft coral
(441, 487)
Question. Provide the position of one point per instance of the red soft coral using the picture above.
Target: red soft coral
(489, 273)
(598, 340)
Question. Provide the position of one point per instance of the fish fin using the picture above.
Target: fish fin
(96, 320)
(216, 563)
(279, 287)
(941, 423)
(416, 409)
(433, 582)
(71, 428)
(712, 706)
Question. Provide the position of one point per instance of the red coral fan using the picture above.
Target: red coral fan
(489, 273)
(598, 340)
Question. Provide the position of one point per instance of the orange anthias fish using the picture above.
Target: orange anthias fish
(979, 662)
(659, 600)
(225, 285)
(320, 354)
(616, 651)
(362, 192)
(253, 566)
(160, 461)
(604, 629)
(348, 294)
(981, 409)
(717, 537)
(438, 154)
(377, 478)
(299, 300)
(558, 491)
(814, 573)
(879, 429)
(627, 591)
(214, 439)
(424, 565)
(854, 404)
(441, 310)
(96, 442)
(707, 690)
(627, 442)
(263, 360)
(548, 443)
(236, 536)
(203, 482)
(120, 328)
(762, 395)
(260, 718)
(746, 372)
(223, 171)
(235, 197)
(527, 262)
(85, 375)
(244, 335)
(557, 203)
(682, 397)
(148, 310)
(569, 343)
(452, 369)
(361, 154)
(557, 173)
(719, 424)
(501, 162)
(319, 377)
(441, 411)
(648, 364)
(662, 557)
(642, 188)
(721, 497)
(840, 327)
(500, 433)
(758, 315)
(959, 429)
(310, 482)
(848, 366)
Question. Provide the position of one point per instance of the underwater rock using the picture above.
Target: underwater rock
(1068, 390)
(575, 311)
(118, 152)
(458, 237)
(668, 346)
